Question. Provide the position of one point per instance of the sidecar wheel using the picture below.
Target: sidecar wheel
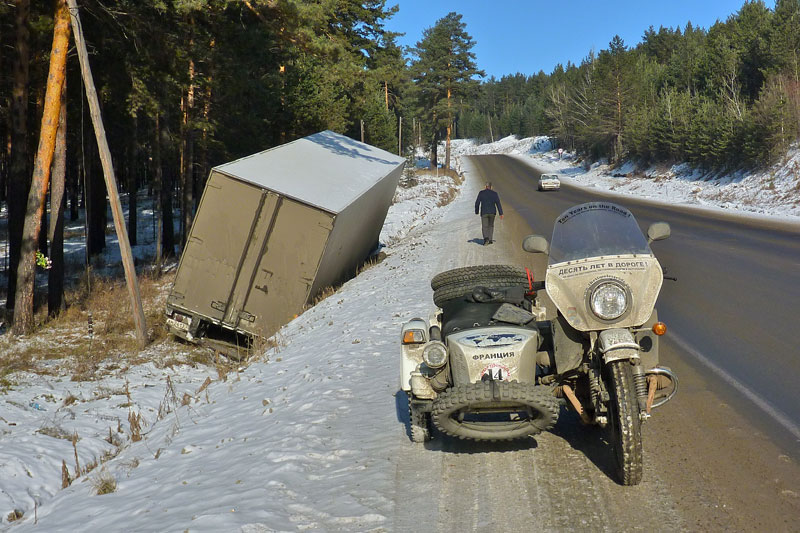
(420, 424)
(624, 423)
(453, 408)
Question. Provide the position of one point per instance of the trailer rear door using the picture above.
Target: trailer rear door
(288, 264)
(219, 238)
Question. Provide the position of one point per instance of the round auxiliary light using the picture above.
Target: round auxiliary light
(609, 300)
(659, 328)
(435, 354)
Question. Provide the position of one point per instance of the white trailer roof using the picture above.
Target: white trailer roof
(326, 170)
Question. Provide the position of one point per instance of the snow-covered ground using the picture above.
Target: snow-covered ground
(299, 438)
(306, 436)
(775, 191)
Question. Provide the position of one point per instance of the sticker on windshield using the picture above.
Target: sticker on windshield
(594, 206)
(616, 265)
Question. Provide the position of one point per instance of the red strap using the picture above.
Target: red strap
(530, 278)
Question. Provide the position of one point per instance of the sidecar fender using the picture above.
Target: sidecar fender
(411, 353)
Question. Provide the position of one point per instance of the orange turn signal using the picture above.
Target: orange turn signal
(413, 336)
(659, 328)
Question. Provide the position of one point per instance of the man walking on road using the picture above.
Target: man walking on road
(488, 206)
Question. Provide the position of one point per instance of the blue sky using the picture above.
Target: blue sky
(528, 36)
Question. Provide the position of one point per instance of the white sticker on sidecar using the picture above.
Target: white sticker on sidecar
(496, 372)
(493, 340)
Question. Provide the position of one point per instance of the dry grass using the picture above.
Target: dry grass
(89, 351)
(56, 432)
(104, 482)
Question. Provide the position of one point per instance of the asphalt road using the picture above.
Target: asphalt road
(735, 304)
(707, 467)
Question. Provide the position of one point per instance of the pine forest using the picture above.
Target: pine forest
(184, 85)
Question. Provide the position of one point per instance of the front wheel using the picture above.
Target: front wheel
(624, 423)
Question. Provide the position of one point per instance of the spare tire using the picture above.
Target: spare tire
(450, 405)
(451, 292)
(460, 282)
(479, 275)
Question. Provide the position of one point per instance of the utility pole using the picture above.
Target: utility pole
(362, 131)
(111, 181)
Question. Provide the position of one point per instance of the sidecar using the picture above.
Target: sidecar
(470, 368)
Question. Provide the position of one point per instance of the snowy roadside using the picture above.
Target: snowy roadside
(304, 437)
(771, 192)
(300, 438)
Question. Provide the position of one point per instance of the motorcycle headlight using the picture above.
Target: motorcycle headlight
(609, 300)
(435, 354)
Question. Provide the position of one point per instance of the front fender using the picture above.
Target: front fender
(617, 344)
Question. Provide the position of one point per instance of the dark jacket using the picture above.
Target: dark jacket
(486, 201)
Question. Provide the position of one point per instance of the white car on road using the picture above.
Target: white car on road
(549, 182)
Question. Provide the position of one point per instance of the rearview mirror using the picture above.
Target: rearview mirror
(536, 244)
(658, 231)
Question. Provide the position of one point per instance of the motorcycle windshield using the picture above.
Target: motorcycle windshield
(596, 229)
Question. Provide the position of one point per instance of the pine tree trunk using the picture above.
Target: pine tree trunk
(187, 168)
(133, 188)
(5, 132)
(204, 170)
(95, 204)
(73, 191)
(19, 176)
(55, 276)
(157, 186)
(167, 228)
(23, 312)
(42, 244)
(449, 128)
(435, 147)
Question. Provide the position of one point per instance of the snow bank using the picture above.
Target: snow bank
(774, 191)
(299, 439)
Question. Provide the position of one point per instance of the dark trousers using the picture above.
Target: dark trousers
(487, 226)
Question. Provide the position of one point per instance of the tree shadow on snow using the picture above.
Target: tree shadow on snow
(476, 241)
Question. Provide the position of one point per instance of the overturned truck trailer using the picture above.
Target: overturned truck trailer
(274, 228)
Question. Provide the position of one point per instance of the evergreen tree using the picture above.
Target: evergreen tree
(444, 71)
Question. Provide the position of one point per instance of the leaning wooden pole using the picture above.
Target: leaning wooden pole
(108, 174)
